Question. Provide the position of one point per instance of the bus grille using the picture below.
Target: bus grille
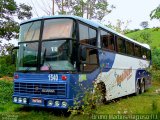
(42, 89)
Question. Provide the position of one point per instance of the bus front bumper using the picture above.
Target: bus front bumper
(43, 102)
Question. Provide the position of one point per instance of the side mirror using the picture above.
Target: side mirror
(13, 55)
(83, 53)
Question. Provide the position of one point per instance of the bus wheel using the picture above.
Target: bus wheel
(137, 88)
(142, 87)
(101, 92)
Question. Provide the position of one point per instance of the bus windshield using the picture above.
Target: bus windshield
(57, 55)
(27, 56)
(57, 28)
(30, 31)
(57, 46)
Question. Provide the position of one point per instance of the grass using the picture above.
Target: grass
(147, 103)
(141, 104)
(155, 35)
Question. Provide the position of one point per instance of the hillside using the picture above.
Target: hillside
(154, 36)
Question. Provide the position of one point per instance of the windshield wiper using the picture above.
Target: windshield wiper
(49, 66)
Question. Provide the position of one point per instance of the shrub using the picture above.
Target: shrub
(156, 58)
(88, 104)
(6, 67)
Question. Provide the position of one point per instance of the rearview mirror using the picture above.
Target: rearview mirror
(13, 55)
(83, 53)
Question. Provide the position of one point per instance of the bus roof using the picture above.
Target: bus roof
(90, 22)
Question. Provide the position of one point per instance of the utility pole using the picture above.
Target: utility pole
(62, 7)
(87, 9)
(52, 7)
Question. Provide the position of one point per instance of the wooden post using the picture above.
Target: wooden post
(62, 7)
(52, 7)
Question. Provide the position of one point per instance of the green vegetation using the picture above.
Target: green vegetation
(154, 36)
(6, 67)
(155, 14)
(156, 58)
(9, 26)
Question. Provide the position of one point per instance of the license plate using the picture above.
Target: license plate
(36, 100)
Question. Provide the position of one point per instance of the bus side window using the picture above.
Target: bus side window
(137, 49)
(111, 42)
(148, 54)
(120, 45)
(91, 61)
(129, 48)
(144, 53)
(87, 35)
(107, 40)
(92, 37)
(83, 34)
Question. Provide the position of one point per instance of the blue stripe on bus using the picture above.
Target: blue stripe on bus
(106, 60)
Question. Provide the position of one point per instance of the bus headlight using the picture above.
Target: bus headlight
(25, 100)
(20, 100)
(64, 104)
(57, 103)
(15, 99)
(50, 103)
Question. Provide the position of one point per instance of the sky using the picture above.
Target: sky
(134, 11)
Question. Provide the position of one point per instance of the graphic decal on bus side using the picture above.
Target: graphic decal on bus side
(142, 64)
(82, 77)
(126, 74)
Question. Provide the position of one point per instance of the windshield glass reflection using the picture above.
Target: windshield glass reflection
(57, 55)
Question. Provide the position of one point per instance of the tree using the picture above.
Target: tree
(10, 11)
(156, 57)
(9, 28)
(6, 66)
(145, 37)
(5, 49)
(121, 26)
(155, 14)
(90, 9)
(144, 24)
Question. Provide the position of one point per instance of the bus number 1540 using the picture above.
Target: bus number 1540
(53, 77)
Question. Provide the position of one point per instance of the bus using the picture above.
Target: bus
(57, 55)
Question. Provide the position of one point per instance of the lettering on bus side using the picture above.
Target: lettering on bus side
(126, 74)
(53, 77)
(142, 65)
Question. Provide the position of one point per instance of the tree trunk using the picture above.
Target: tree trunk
(62, 7)
(52, 7)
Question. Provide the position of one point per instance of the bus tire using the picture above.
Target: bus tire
(142, 86)
(137, 88)
(102, 92)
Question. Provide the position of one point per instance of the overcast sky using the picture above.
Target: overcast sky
(135, 11)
